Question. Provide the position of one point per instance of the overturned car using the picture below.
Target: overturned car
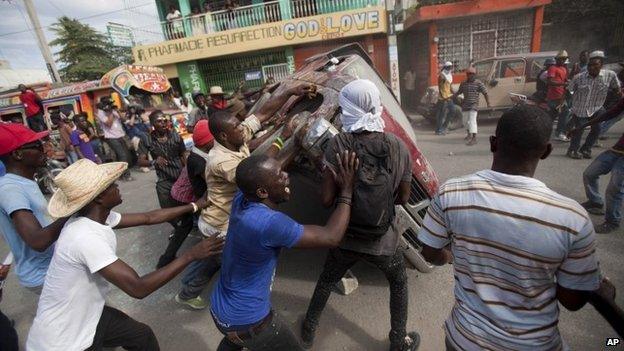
(330, 72)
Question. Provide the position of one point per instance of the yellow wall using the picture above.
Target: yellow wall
(171, 71)
(296, 31)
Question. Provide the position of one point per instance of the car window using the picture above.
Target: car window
(536, 65)
(510, 68)
(483, 69)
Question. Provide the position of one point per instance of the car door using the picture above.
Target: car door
(509, 77)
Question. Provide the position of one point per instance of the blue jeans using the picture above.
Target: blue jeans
(562, 117)
(444, 109)
(197, 275)
(608, 161)
(72, 157)
(591, 139)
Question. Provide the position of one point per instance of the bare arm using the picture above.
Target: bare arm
(276, 102)
(37, 237)
(127, 279)
(404, 193)
(438, 257)
(158, 216)
(487, 99)
(572, 300)
(612, 113)
(332, 233)
(603, 301)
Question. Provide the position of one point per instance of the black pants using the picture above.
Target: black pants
(338, 262)
(36, 122)
(120, 148)
(182, 225)
(116, 328)
(277, 336)
(8, 335)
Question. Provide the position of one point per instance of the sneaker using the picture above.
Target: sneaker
(606, 228)
(443, 132)
(410, 343)
(586, 154)
(307, 336)
(562, 137)
(593, 208)
(574, 155)
(196, 303)
(145, 169)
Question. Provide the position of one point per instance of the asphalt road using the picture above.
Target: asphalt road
(356, 322)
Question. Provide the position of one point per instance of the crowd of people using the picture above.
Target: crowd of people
(517, 247)
(571, 96)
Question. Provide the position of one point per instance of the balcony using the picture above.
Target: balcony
(243, 16)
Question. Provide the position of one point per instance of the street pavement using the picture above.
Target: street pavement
(359, 321)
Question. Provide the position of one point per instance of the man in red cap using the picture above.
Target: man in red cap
(33, 107)
(24, 220)
(196, 162)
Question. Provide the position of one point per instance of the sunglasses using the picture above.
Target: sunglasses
(37, 145)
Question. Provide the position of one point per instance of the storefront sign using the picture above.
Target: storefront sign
(191, 79)
(255, 75)
(296, 31)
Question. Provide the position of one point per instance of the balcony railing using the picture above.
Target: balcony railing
(243, 16)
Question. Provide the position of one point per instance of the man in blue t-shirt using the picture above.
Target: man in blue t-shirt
(24, 220)
(241, 299)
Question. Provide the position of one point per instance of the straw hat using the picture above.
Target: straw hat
(80, 183)
(562, 54)
(216, 90)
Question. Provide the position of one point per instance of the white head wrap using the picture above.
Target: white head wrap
(361, 107)
(447, 70)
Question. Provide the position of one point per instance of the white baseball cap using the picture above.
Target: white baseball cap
(597, 54)
(448, 64)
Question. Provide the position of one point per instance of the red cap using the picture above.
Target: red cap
(14, 135)
(201, 133)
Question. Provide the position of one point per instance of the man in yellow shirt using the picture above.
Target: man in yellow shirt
(233, 142)
(445, 101)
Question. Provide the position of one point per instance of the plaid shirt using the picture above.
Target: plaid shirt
(590, 92)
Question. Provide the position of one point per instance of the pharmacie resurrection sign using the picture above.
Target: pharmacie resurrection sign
(296, 31)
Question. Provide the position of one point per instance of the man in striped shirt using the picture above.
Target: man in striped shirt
(590, 93)
(471, 89)
(517, 246)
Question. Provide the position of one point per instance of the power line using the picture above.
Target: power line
(56, 7)
(79, 19)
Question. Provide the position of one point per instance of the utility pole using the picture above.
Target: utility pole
(42, 42)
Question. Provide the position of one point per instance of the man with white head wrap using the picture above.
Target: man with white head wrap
(383, 180)
(445, 101)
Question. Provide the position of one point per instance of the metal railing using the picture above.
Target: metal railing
(240, 17)
(306, 8)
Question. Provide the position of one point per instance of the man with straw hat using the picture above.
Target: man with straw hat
(72, 314)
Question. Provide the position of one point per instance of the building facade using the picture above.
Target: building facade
(257, 40)
(466, 31)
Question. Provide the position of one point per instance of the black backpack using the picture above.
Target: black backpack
(372, 209)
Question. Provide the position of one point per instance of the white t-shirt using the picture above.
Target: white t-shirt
(73, 294)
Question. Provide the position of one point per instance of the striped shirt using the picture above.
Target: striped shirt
(172, 149)
(471, 92)
(590, 92)
(513, 240)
